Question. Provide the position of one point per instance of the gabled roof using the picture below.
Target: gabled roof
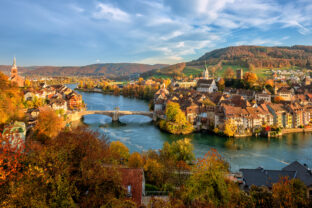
(261, 177)
(303, 173)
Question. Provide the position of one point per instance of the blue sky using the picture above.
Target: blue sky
(81, 32)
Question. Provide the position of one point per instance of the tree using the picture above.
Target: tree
(71, 170)
(11, 158)
(175, 122)
(229, 73)
(278, 99)
(221, 84)
(207, 187)
(289, 193)
(250, 78)
(27, 83)
(182, 150)
(154, 171)
(135, 160)
(11, 101)
(230, 128)
(262, 196)
(269, 82)
(119, 152)
(49, 124)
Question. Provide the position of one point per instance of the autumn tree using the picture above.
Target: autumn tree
(135, 160)
(207, 186)
(278, 99)
(176, 122)
(72, 170)
(11, 101)
(229, 73)
(250, 78)
(11, 158)
(182, 150)
(289, 193)
(221, 84)
(49, 124)
(230, 128)
(269, 82)
(119, 152)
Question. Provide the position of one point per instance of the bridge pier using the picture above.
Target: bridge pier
(115, 116)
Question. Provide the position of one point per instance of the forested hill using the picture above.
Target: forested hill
(110, 70)
(259, 56)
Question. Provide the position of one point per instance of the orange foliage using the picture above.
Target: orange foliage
(49, 123)
(278, 99)
(10, 159)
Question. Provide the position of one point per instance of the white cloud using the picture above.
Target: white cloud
(259, 41)
(106, 11)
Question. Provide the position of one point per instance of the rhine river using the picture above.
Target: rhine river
(139, 134)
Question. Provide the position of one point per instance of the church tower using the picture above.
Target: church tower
(14, 68)
(206, 73)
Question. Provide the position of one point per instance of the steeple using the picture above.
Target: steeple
(14, 62)
(14, 68)
(206, 72)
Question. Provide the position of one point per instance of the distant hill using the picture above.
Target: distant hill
(259, 56)
(109, 70)
(242, 57)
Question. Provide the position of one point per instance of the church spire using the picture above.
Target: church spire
(14, 62)
(206, 72)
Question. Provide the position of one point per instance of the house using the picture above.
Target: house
(207, 85)
(281, 117)
(303, 173)
(15, 133)
(262, 177)
(58, 104)
(263, 97)
(285, 93)
(74, 101)
(133, 181)
(297, 114)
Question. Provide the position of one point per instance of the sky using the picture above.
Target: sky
(82, 32)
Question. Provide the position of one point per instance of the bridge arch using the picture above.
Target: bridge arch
(115, 114)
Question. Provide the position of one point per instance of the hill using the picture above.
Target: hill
(109, 70)
(260, 57)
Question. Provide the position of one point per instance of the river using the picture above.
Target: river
(139, 134)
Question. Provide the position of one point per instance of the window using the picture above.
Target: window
(129, 193)
(310, 192)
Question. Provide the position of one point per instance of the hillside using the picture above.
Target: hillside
(262, 58)
(259, 56)
(110, 70)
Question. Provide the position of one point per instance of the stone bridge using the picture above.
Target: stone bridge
(114, 114)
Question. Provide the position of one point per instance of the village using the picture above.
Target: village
(248, 112)
(268, 112)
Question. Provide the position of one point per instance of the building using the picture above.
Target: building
(74, 101)
(263, 97)
(262, 177)
(206, 84)
(14, 75)
(239, 73)
(133, 181)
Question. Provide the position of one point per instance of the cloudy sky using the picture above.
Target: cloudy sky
(80, 32)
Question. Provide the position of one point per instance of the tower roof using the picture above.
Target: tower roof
(14, 62)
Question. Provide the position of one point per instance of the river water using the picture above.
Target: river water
(139, 134)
